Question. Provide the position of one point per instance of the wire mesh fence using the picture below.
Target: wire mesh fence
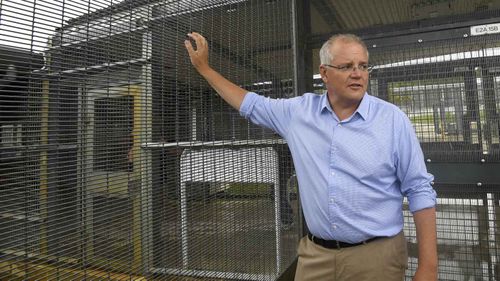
(117, 161)
(448, 88)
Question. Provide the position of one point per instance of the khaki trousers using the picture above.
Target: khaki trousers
(383, 259)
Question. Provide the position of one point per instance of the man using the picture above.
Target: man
(356, 157)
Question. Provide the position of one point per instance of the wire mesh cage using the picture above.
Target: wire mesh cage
(118, 161)
(446, 83)
(128, 164)
(447, 87)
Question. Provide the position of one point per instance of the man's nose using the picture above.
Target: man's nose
(356, 72)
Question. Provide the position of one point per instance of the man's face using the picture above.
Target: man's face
(346, 86)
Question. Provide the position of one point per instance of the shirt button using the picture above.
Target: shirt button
(332, 200)
(339, 125)
(333, 173)
(334, 226)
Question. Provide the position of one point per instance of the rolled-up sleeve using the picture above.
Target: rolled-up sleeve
(248, 104)
(270, 113)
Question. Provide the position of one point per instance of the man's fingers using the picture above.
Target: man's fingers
(189, 47)
(191, 36)
(198, 38)
(202, 39)
(198, 51)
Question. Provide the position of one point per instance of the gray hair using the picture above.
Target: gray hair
(326, 56)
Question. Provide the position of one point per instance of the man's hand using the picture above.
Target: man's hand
(230, 92)
(199, 57)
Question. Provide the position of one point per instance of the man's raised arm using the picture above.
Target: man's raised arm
(229, 91)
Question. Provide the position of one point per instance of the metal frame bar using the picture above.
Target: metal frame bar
(437, 29)
(302, 52)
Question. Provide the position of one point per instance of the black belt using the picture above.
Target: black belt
(334, 244)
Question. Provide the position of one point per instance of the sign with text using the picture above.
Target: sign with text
(485, 29)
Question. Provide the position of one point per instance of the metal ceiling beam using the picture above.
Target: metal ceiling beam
(433, 29)
(328, 13)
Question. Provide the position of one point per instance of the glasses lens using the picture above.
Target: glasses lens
(363, 67)
(351, 67)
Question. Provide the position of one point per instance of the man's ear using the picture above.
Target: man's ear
(322, 72)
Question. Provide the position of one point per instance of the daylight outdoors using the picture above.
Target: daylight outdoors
(118, 161)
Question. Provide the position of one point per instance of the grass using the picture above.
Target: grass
(425, 118)
(429, 118)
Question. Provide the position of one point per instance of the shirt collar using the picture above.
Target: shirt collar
(324, 103)
(362, 109)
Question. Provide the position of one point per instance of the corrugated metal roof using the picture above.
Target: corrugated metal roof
(332, 15)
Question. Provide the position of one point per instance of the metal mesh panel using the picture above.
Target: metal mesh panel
(119, 162)
(446, 82)
(467, 233)
(448, 88)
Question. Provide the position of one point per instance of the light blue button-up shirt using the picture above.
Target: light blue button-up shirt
(352, 174)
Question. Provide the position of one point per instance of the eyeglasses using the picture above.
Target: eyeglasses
(351, 67)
